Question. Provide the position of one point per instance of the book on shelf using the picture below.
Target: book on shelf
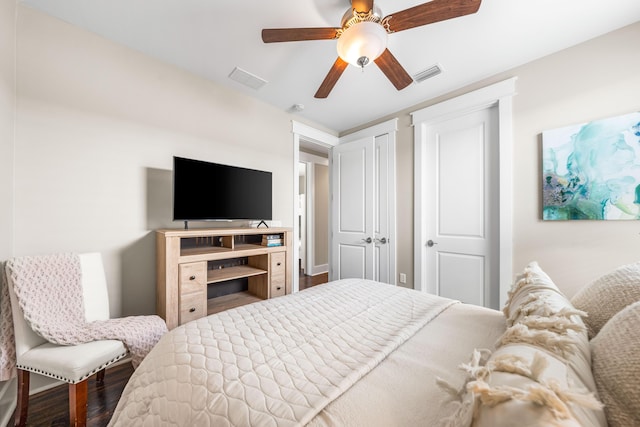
(272, 240)
(271, 236)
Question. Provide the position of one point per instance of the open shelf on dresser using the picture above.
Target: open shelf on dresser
(230, 273)
(216, 305)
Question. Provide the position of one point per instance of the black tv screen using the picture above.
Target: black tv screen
(211, 191)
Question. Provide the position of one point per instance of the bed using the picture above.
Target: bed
(360, 353)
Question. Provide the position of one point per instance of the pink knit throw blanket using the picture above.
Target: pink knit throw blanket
(49, 291)
(7, 343)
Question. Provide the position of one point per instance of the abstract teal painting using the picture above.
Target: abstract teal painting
(592, 170)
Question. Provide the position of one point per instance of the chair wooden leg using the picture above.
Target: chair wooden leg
(23, 398)
(78, 404)
(100, 376)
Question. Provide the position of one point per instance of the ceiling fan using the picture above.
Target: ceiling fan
(362, 37)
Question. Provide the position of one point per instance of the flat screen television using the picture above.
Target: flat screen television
(204, 191)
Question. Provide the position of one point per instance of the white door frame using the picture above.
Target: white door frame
(499, 95)
(311, 268)
(322, 139)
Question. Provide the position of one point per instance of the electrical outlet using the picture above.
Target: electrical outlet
(403, 278)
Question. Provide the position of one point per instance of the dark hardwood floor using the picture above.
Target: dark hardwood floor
(309, 281)
(51, 407)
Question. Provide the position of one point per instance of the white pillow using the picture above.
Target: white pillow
(546, 335)
(533, 293)
(548, 386)
(615, 355)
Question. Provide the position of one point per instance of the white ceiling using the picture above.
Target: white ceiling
(211, 38)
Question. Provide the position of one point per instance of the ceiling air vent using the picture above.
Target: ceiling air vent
(428, 73)
(247, 79)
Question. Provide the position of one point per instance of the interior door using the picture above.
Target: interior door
(383, 191)
(462, 207)
(362, 175)
(352, 210)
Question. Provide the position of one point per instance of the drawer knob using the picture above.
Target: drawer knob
(192, 277)
(278, 288)
(278, 264)
(192, 310)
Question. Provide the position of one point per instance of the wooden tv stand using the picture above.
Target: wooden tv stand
(230, 263)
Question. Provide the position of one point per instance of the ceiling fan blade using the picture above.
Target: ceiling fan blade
(332, 78)
(362, 5)
(428, 13)
(393, 70)
(272, 35)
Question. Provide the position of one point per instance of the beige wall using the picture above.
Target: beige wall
(596, 79)
(97, 126)
(7, 117)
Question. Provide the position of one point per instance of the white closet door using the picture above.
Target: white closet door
(382, 195)
(352, 210)
(462, 206)
(363, 209)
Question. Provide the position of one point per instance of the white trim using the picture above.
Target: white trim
(312, 158)
(390, 127)
(419, 206)
(310, 191)
(307, 133)
(312, 134)
(505, 173)
(472, 101)
(500, 95)
(392, 199)
(319, 269)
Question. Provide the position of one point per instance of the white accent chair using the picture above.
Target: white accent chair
(71, 364)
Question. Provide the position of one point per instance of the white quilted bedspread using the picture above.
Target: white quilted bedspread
(273, 363)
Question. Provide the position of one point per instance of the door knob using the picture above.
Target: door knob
(430, 243)
(367, 240)
(383, 240)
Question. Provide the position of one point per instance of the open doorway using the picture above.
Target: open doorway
(313, 217)
(308, 141)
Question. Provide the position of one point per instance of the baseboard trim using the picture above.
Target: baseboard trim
(320, 269)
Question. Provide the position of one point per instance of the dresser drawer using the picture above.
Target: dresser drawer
(192, 277)
(278, 274)
(192, 283)
(277, 289)
(193, 306)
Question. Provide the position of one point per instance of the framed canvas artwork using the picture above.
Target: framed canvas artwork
(592, 170)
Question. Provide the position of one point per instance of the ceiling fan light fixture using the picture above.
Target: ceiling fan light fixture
(362, 43)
